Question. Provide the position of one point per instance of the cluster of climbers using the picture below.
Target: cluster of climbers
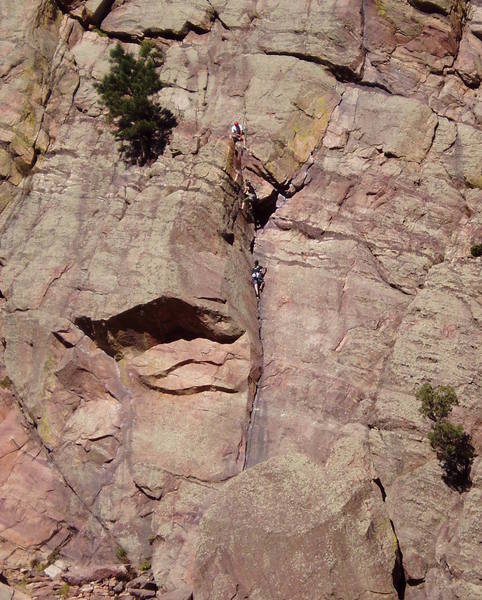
(248, 203)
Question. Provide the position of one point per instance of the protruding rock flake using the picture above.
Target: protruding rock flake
(164, 433)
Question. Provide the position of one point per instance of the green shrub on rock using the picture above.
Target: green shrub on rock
(452, 445)
(127, 92)
(64, 591)
(145, 565)
(6, 383)
(436, 403)
(121, 554)
(476, 250)
(454, 451)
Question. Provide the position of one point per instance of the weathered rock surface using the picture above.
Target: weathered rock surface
(37, 86)
(319, 517)
(141, 16)
(8, 593)
(201, 400)
(38, 509)
(130, 341)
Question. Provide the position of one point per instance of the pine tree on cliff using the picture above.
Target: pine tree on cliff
(126, 91)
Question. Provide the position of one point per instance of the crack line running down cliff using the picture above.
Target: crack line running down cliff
(286, 190)
(398, 573)
(279, 189)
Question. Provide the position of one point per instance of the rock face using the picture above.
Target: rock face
(37, 86)
(150, 410)
(318, 517)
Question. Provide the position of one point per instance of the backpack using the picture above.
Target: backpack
(257, 274)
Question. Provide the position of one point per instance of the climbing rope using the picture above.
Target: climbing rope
(245, 128)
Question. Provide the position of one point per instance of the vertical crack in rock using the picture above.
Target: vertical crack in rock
(433, 136)
(263, 215)
(398, 574)
(254, 405)
(362, 41)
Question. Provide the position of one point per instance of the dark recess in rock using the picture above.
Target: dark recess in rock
(62, 340)
(414, 582)
(341, 73)
(228, 237)
(427, 6)
(398, 573)
(100, 13)
(161, 321)
(265, 208)
(382, 489)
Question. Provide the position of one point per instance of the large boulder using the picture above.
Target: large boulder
(289, 528)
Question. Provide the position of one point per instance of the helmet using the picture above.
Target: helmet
(236, 123)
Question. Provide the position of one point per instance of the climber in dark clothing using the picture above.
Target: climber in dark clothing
(257, 276)
(249, 200)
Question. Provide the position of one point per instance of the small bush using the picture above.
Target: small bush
(64, 591)
(121, 554)
(53, 556)
(22, 584)
(436, 403)
(99, 32)
(37, 565)
(455, 452)
(476, 250)
(6, 383)
(145, 565)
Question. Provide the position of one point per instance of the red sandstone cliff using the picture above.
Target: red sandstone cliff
(146, 402)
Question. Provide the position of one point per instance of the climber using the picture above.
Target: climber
(257, 275)
(237, 136)
(237, 133)
(249, 199)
